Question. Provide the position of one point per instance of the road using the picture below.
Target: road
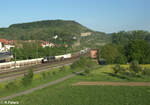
(102, 83)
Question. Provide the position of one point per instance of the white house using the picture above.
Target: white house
(5, 45)
(47, 44)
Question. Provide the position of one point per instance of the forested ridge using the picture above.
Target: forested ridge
(42, 30)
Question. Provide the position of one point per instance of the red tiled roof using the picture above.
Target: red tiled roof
(7, 41)
(4, 41)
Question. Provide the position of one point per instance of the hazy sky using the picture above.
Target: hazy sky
(101, 15)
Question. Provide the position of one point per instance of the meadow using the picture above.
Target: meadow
(14, 86)
(66, 94)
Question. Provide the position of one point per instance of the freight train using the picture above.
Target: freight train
(65, 56)
(22, 63)
(56, 58)
(18, 64)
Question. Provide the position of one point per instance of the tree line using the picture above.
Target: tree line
(127, 47)
(32, 50)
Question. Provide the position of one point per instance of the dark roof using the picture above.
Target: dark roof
(4, 56)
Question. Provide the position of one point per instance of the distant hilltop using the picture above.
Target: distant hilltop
(42, 30)
(48, 23)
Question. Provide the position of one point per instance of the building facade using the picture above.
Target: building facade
(6, 45)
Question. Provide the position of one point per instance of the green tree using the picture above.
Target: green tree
(123, 37)
(109, 52)
(136, 50)
(85, 64)
(121, 59)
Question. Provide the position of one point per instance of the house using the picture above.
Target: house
(86, 34)
(6, 45)
(94, 53)
(47, 44)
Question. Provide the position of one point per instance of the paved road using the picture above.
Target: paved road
(113, 83)
(40, 87)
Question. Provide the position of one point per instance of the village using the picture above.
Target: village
(6, 46)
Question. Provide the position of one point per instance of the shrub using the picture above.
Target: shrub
(43, 75)
(11, 85)
(62, 68)
(116, 69)
(146, 71)
(48, 73)
(54, 73)
(123, 71)
(27, 79)
(87, 71)
(135, 68)
(30, 74)
(85, 64)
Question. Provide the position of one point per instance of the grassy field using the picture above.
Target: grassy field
(38, 79)
(66, 94)
(104, 73)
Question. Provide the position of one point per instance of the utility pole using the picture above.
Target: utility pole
(48, 46)
(64, 45)
(15, 58)
(37, 48)
(37, 51)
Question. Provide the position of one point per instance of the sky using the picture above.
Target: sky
(100, 15)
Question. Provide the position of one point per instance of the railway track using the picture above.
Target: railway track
(14, 76)
(38, 68)
(14, 73)
(7, 71)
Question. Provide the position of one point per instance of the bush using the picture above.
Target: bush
(27, 79)
(54, 73)
(146, 71)
(83, 63)
(48, 73)
(135, 68)
(11, 85)
(116, 69)
(87, 71)
(43, 75)
(123, 72)
(62, 68)
(78, 64)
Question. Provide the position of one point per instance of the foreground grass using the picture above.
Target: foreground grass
(105, 73)
(66, 94)
(38, 80)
